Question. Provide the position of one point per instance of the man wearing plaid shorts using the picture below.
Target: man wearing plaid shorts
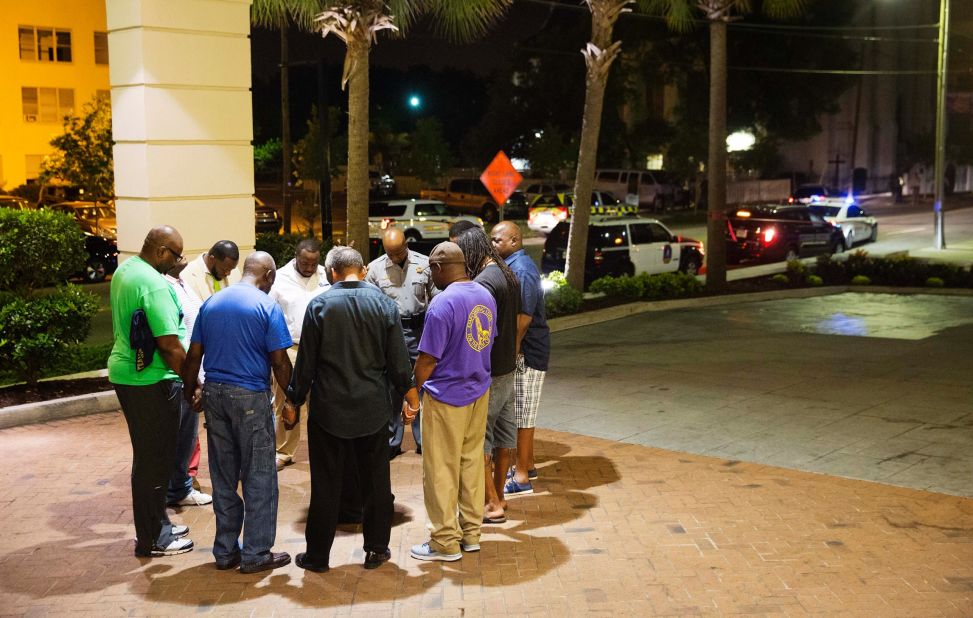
(533, 352)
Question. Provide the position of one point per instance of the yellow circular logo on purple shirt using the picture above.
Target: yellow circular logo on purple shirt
(479, 327)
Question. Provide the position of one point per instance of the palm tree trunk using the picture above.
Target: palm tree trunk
(357, 187)
(716, 226)
(285, 127)
(604, 14)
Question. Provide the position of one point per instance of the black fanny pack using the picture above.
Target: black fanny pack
(141, 339)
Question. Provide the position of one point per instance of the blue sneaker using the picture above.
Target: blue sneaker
(513, 488)
(531, 474)
(424, 552)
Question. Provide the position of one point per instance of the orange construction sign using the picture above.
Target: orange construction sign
(500, 178)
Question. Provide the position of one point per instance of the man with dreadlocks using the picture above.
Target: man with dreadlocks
(487, 268)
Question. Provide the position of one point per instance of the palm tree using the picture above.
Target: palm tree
(598, 56)
(679, 14)
(357, 23)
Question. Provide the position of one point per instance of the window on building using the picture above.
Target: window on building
(47, 104)
(101, 48)
(44, 44)
(33, 166)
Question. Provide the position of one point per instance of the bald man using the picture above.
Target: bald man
(144, 367)
(533, 352)
(403, 276)
(453, 374)
(240, 336)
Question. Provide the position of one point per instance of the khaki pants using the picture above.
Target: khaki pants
(287, 439)
(452, 471)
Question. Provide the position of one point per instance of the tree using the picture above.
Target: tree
(718, 13)
(428, 154)
(82, 155)
(598, 55)
(552, 152)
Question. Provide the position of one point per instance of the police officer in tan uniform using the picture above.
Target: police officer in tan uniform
(403, 275)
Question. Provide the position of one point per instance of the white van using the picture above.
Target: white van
(643, 188)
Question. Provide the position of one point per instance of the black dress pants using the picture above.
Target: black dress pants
(152, 414)
(331, 468)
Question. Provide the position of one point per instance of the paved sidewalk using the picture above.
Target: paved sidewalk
(619, 529)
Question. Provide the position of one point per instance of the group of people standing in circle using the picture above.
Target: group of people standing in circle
(455, 345)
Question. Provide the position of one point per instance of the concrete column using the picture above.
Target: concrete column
(182, 120)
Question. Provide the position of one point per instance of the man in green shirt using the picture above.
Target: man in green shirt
(145, 373)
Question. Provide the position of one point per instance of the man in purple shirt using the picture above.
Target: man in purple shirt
(453, 373)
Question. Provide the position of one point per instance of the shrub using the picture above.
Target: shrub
(651, 287)
(36, 330)
(561, 298)
(860, 280)
(814, 280)
(796, 272)
(627, 287)
(38, 248)
(781, 279)
(282, 246)
(934, 282)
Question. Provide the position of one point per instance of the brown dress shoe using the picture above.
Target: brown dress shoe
(272, 561)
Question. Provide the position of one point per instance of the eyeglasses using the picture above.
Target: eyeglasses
(178, 256)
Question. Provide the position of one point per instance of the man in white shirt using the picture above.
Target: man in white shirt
(183, 489)
(297, 283)
(214, 270)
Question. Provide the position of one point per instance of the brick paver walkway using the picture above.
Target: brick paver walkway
(618, 529)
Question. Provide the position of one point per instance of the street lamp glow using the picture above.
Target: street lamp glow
(740, 141)
(414, 102)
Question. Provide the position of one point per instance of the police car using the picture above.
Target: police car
(855, 224)
(546, 211)
(626, 245)
(418, 219)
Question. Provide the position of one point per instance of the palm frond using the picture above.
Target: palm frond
(465, 20)
(678, 13)
(783, 9)
(274, 13)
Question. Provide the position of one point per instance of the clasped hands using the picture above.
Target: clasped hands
(410, 406)
(290, 415)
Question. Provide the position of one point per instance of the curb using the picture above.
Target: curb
(58, 409)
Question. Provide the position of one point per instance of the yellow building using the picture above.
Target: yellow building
(53, 60)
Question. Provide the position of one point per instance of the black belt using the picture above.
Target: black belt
(414, 321)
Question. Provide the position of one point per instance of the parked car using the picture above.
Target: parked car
(95, 218)
(516, 206)
(266, 218)
(856, 224)
(50, 194)
(535, 190)
(550, 209)
(380, 185)
(642, 188)
(625, 246)
(418, 219)
(466, 195)
(776, 232)
(102, 258)
(15, 202)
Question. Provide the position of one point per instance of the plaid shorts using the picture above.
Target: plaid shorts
(527, 394)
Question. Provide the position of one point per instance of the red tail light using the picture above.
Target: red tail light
(770, 234)
(598, 257)
(790, 200)
(562, 213)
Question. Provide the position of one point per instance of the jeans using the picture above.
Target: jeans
(180, 482)
(240, 437)
(396, 426)
(152, 415)
(333, 461)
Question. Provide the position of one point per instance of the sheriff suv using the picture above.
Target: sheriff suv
(775, 232)
(418, 219)
(625, 246)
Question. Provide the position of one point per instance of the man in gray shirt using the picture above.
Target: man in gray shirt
(403, 275)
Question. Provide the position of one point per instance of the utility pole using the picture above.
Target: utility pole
(324, 121)
(939, 233)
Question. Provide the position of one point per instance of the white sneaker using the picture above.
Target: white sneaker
(180, 531)
(425, 552)
(194, 498)
(469, 547)
(178, 546)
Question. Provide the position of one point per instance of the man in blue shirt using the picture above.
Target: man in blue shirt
(243, 334)
(533, 351)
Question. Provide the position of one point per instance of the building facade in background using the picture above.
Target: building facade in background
(54, 55)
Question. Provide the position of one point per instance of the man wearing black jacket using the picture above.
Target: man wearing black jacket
(351, 347)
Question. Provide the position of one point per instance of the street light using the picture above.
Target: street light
(939, 236)
(414, 101)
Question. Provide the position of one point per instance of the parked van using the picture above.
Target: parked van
(643, 188)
